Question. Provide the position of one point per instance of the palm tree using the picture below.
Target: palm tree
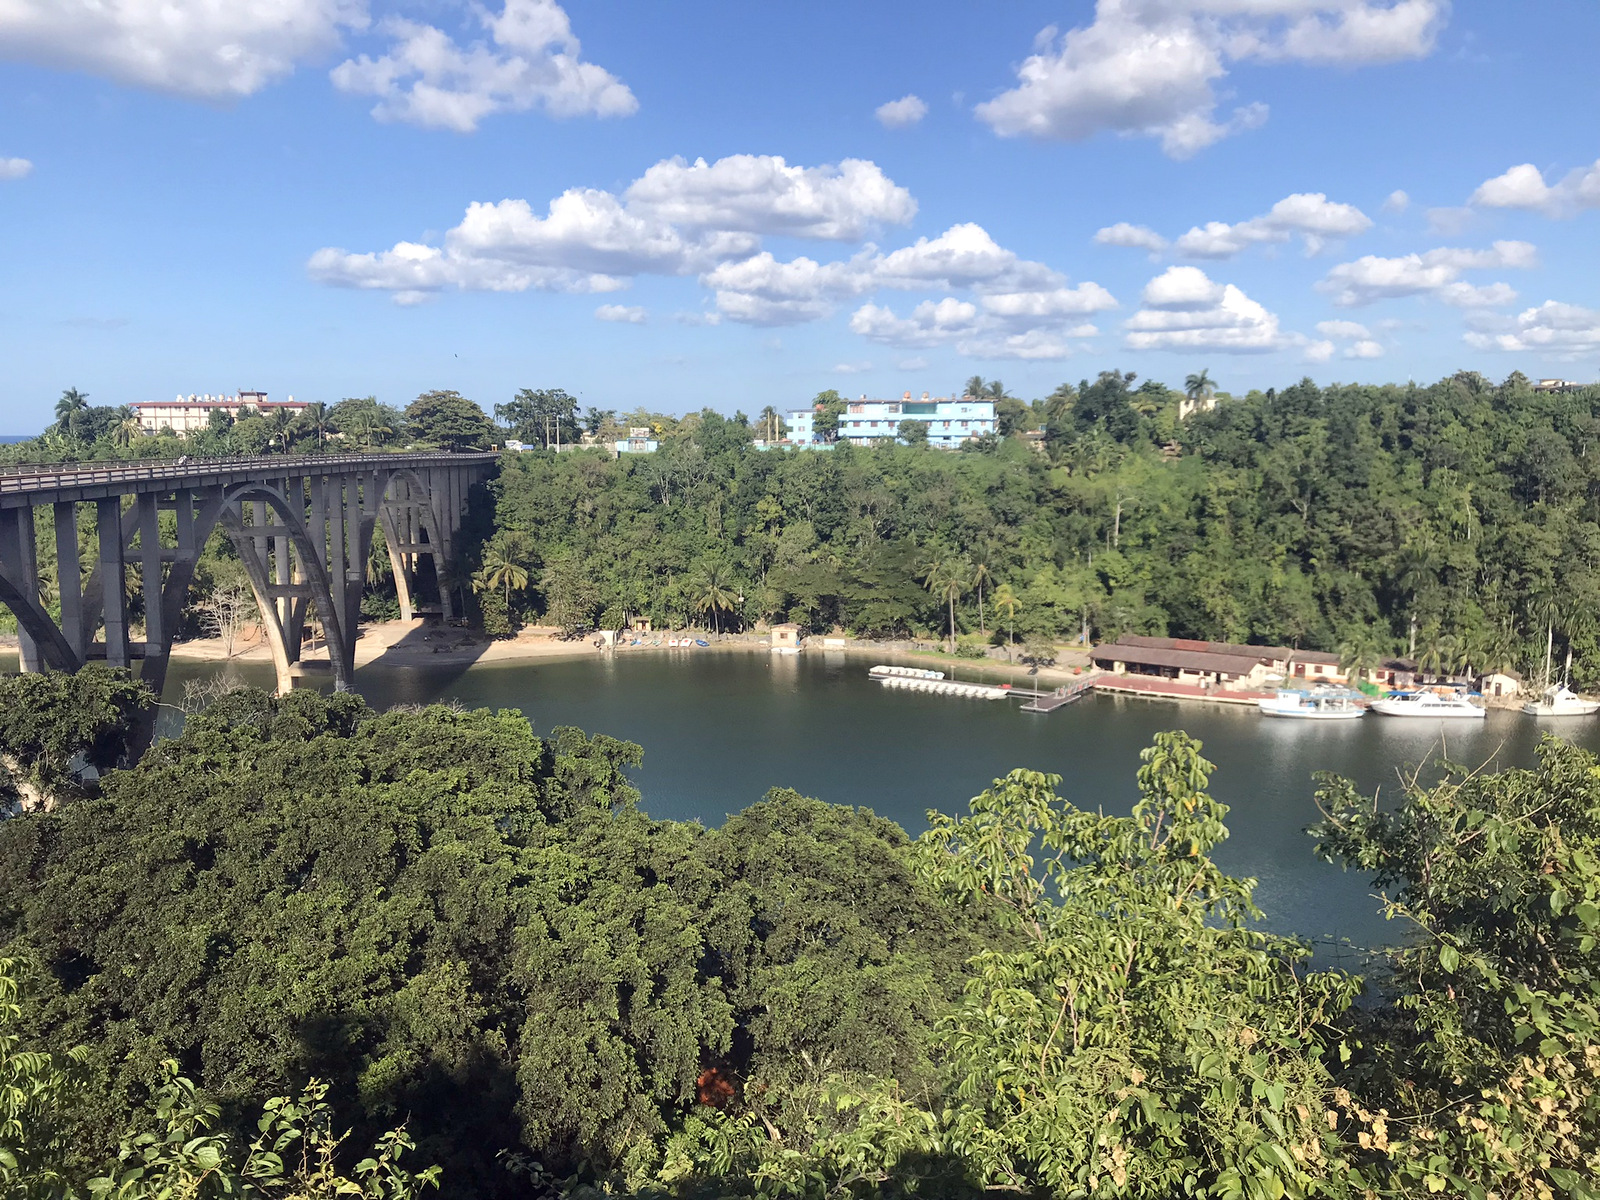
(282, 424)
(1005, 598)
(69, 412)
(316, 418)
(1359, 655)
(1198, 389)
(501, 573)
(947, 578)
(980, 576)
(714, 593)
(126, 431)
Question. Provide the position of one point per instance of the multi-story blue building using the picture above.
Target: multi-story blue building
(949, 422)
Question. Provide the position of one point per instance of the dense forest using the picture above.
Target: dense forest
(1457, 523)
(306, 949)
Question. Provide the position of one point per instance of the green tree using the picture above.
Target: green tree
(1005, 598)
(948, 578)
(449, 421)
(70, 412)
(828, 406)
(912, 432)
(317, 419)
(542, 416)
(713, 592)
(1198, 390)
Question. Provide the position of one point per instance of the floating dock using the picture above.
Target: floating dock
(882, 671)
(1044, 702)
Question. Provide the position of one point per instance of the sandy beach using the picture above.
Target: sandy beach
(420, 642)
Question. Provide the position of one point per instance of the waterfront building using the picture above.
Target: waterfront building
(863, 422)
(1203, 664)
(184, 416)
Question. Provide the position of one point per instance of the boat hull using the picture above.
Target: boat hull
(1416, 711)
(1586, 708)
(1350, 714)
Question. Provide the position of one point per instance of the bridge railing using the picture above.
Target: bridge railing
(21, 477)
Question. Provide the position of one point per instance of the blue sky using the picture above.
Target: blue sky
(341, 197)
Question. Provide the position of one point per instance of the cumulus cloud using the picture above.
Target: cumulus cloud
(1524, 187)
(898, 114)
(197, 48)
(15, 168)
(1134, 237)
(530, 60)
(622, 313)
(931, 323)
(1436, 273)
(1311, 215)
(1184, 309)
(763, 194)
(1153, 67)
(1563, 331)
(1397, 202)
(677, 219)
(1357, 338)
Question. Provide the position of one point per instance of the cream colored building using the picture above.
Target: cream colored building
(186, 415)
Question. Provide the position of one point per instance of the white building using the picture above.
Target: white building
(863, 422)
(187, 415)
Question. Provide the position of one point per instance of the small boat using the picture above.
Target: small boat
(701, 642)
(1561, 701)
(1427, 704)
(1330, 704)
(881, 671)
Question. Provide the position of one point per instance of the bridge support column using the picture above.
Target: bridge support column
(69, 581)
(150, 569)
(17, 559)
(113, 582)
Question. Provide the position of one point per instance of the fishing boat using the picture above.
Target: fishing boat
(1561, 701)
(1330, 704)
(1427, 704)
(701, 642)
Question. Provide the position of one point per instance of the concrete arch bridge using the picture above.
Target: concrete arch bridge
(302, 526)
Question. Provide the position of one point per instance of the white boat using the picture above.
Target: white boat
(1427, 704)
(1330, 705)
(882, 671)
(1561, 701)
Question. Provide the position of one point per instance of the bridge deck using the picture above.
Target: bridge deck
(50, 483)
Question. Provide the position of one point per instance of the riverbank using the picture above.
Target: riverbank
(420, 642)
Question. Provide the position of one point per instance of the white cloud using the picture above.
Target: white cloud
(1134, 237)
(1563, 331)
(625, 314)
(762, 194)
(677, 219)
(1184, 309)
(1035, 345)
(1435, 273)
(1152, 67)
(207, 49)
(1524, 187)
(1358, 339)
(1310, 214)
(1050, 305)
(1343, 329)
(851, 368)
(962, 256)
(15, 168)
(931, 323)
(530, 61)
(1397, 202)
(898, 114)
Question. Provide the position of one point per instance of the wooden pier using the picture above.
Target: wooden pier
(1044, 702)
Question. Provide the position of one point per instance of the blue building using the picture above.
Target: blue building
(863, 422)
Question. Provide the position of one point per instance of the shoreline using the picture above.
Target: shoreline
(418, 643)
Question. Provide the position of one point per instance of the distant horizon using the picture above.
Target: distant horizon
(650, 209)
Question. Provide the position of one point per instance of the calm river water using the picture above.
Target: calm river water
(721, 727)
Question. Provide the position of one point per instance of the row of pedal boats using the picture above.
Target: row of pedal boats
(1339, 704)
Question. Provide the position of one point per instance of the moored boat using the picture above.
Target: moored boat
(1427, 704)
(1331, 704)
(1561, 701)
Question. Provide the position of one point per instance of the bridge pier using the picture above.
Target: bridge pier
(302, 528)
